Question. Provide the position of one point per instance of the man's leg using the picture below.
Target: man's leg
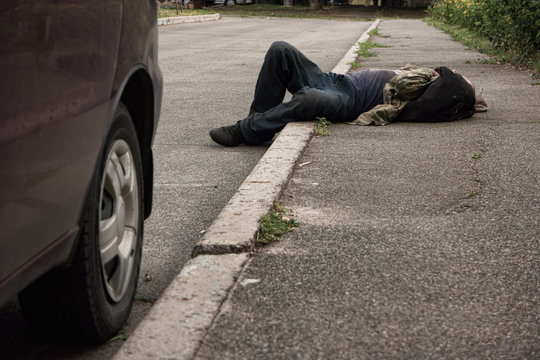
(334, 103)
(284, 68)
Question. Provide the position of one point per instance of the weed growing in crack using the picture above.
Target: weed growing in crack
(277, 222)
(364, 50)
(477, 156)
(322, 127)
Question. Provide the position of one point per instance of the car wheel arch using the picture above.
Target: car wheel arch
(137, 94)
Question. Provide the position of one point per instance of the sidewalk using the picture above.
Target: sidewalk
(416, 240)
(393, 259)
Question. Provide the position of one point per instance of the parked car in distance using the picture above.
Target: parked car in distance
(80, 100)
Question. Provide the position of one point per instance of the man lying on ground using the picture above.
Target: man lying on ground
(364, 97)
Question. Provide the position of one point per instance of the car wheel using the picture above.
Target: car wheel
(92, 298)
(230, 2)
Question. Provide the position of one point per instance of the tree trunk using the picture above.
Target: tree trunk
(315, 4)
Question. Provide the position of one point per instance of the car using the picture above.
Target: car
(81, 95)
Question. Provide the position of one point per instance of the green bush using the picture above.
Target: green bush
(513, 25)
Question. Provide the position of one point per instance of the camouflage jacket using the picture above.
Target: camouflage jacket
(409, 82)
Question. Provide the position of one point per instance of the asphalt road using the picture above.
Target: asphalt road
(210, 71)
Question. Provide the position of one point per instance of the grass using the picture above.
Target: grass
(356, 12)
(475, 179)
(168, 10)
(269, 10)
(483, 45)
(277, 222)
(119, 337)
(364, 50)
(322, 127)
(464, 36)
(375, 32)
(477, 156)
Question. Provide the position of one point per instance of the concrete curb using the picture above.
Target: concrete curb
(235, 228)
(187, 19)
(344, 66)
(178, 321)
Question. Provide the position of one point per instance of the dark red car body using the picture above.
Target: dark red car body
(66, 64)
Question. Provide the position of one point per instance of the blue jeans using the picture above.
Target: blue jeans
(315, 94)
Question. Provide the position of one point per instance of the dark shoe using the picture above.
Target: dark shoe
(228, 135)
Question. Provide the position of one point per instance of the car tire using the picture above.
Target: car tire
(91, 299)
(230, 2)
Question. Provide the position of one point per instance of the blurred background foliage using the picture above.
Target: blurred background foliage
(512, 25)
